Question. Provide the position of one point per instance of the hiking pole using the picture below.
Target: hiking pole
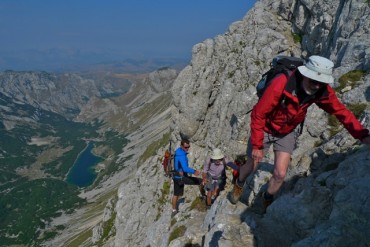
(170, 149)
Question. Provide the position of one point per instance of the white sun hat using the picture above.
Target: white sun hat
(318, 68)
(217, 154)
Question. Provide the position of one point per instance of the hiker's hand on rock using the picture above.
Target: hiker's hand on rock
(257, 155)
(366, 140)
(196, 173)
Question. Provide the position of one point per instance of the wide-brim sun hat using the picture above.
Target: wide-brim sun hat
(217, 154)
(318, 68)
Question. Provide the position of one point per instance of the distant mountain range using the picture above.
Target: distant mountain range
(73, 60)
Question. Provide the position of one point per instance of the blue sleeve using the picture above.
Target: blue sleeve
(184, 165)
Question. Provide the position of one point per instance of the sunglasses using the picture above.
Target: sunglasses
(317, 83)
(186, 147)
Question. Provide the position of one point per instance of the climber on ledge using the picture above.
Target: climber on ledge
(214, 174)
(182, 169)
(274, 121)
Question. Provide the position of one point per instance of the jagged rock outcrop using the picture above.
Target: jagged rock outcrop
(215, 91)
(162, 79)
(330, 208)
(121, 111)
(325, 198)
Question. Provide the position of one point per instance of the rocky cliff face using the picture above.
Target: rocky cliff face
(63, 94)
(325, 197)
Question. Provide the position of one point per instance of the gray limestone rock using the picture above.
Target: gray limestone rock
(324, 201)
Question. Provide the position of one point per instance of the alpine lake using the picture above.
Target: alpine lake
(82, 173)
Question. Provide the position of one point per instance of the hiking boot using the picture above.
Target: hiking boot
(236, 193)
(266, 201)
(174, 212)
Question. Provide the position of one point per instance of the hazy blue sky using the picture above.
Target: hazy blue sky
(121, 28)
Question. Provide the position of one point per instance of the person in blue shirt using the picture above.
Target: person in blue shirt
(181, 166)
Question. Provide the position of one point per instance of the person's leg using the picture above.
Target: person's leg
(282, 160)
(215, 188)
(283, 149)
(192, 180)
(216, 193)
(281, 163)
(219, 185)
(246, 169)
(208, 188)
(209, 198)
(174, 202)
(178, 190)
(201, 189)
(195, 181)
(250, 165)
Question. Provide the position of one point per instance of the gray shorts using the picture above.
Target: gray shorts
(283, 143)
(213, 183)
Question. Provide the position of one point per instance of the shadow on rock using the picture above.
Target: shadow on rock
(305, 204)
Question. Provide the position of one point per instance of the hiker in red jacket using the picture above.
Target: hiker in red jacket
(282, 107)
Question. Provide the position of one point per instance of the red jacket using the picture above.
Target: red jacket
(279, 112)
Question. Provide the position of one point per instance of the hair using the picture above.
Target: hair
(183, 141)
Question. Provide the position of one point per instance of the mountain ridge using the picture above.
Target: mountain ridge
(324, 198)
(212, 96)
(41, 138)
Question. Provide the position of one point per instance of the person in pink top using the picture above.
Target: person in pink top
(214, 176)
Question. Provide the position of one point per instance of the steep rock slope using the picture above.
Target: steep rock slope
(324, 200)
